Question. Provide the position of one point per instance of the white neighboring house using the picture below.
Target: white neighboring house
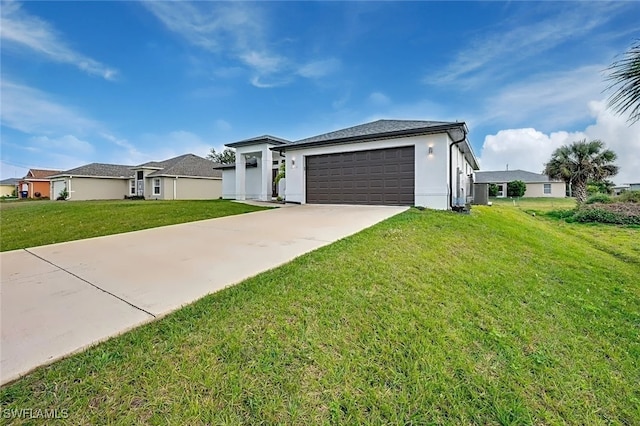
(538, 185)
(394, 162)
(186, 177)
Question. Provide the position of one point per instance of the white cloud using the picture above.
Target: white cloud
(379, 99)
(20, 29)
(31, 111)
(222, 125)
(551, 99)
(517, 42)
(66, 143)
(239, 30)
(529, 149)
(319, 68)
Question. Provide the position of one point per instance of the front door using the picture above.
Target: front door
(274, 184)
(140, 183)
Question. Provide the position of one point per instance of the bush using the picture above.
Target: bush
(561, 214)
(516, 188)
(604, 215)
(493, 190)
(629, 197)
(599, 198)
(134, 197)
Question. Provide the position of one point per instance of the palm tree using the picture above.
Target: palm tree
(580, 162)
(624, 76)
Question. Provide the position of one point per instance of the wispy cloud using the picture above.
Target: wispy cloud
(379, 99)
(547, 100)
(20, 29)
(516, 44)
(34, 112)
(239, 31)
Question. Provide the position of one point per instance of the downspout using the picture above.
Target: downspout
(464, 137)
(69, 190)
(175, 184)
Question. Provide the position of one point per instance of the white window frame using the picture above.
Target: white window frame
(501, 191)
(156, 186)
(544, 189)
(132, 187)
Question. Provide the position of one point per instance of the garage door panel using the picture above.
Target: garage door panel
(384, 176)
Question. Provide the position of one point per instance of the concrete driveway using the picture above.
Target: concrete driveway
(61, 298)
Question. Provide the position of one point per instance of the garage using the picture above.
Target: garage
(58, 187)
(380, 176)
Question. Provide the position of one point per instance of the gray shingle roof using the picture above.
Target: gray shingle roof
(502, 176)
(184, 165)
(380, 128)
(9, 181)
(259, 139)
(100, 170)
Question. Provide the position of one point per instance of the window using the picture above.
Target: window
(274, 162)
(500, 190)
(156, 186)
(132, 187)
(547, 188)
(140, 175)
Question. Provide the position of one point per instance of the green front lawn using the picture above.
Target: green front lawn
(537, 204)
(430, 317)
(30, 224)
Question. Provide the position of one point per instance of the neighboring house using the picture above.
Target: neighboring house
(187, 177)
(634, 187)
(395, 162)
(36, 183)
(537, 185)
(619, 189)
(7, 186)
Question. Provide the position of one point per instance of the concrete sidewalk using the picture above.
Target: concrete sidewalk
(61, 298)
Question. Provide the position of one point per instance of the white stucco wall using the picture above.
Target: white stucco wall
(229, 184)
(431, 181)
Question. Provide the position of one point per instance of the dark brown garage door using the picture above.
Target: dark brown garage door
(381, 176)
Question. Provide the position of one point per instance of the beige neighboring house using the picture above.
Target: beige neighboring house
(187, 177)
(8, 186)
(537, 185)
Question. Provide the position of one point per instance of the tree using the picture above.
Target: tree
(228, 156)
(603, 186)
(580, 162)
(624, 75)
(516, 188)
(493, 190)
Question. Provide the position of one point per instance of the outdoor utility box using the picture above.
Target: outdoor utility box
(481, 194)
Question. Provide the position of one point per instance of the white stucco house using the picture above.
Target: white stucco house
(395, 162)
(186, 177)
(538, 185)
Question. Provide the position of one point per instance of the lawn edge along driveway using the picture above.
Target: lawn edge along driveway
(61, 298)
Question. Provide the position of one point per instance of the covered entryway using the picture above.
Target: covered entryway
(380, 176)
(57, 187)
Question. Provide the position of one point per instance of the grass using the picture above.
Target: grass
(537, 205)
(30, 224)
(430, 317)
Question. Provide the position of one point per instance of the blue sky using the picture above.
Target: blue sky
(129, 82)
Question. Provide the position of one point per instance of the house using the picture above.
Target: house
(395, 162)
(261, 166)
(634, 187)
(538, 185)
(187, 177)
(36, 183)
(8, 186)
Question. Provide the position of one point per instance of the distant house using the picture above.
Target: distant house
(634, 187)
(7, 186)
(36, 183)
(187, 177)
(537, 185)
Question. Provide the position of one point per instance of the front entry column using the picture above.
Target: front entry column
(265, 187)
(241, 168)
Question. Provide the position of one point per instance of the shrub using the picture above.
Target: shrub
(493, 190)
(561, 214)
(604, 215)
(64, 194)
(516, 188)
(599, 198)
(134, 197)
(629, 197)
